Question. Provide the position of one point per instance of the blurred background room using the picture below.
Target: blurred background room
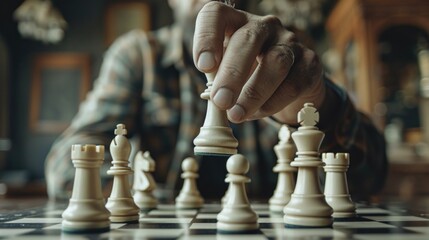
(51, 51)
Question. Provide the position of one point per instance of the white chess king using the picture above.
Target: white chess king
(215, 137)
(307, 206)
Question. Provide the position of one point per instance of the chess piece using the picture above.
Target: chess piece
(120, 203)
(189, 196)
(144, 184)
(215, 137)
(307, 206)
(224, 199)
(336, 189)
(285, 151)
(237, 215)
(86, 211)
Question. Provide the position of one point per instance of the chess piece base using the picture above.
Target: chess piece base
(145, 200)
(236, 227)
(85, 226)
(277, 203)
(122, 210)
(308, 211)
(237, 219)
(310, 222)
(189, 202)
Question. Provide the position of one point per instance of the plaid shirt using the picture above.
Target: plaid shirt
(148, 83)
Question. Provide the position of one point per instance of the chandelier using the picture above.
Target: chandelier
(39, 20)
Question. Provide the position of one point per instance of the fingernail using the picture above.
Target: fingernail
(236, 113)
(206, 61)
(223, 98)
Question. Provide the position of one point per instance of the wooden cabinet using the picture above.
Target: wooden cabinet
(355, 27)
(358, 30)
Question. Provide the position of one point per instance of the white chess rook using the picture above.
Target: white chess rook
(285, 151)
(144, 183)
(307, 206)
(215, 137)
(336, 189)
(237, 214)
(86, 211)
(120, 203)
(189, 196)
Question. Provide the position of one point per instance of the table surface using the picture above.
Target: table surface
(34, 218)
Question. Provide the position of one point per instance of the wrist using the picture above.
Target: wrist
(331, 108)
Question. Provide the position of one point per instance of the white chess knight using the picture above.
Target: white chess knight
(237, 214)
(285, 151)
(189, 196)
(144, 183)
(120, 203)
(307, 206)
(336, 189)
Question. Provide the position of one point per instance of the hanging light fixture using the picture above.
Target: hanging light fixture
(302, 14)
(39, 20)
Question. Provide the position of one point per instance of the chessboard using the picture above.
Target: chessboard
(165, 222)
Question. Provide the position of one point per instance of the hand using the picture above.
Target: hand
(262, 70)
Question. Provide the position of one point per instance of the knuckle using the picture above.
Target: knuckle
(271, 20)
(213, 6)
(257, 29)
(251, 93)
(291, 37)
(284, 56)
(251, 34)
(233, 72)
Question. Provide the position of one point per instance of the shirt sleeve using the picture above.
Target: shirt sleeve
(353, 132)
(115, 98)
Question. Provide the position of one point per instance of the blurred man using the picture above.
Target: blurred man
(152, 82)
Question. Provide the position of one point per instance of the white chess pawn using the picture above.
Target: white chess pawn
(120, 203)
(86, 211)
(237, 214)
(285, 151)
(336, 189)
(307, 206)
(144, 183)
(189, 196)
(224, 199)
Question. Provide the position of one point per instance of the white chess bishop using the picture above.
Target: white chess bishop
(120, 203)
(336, 189)
(189, 196)
(307, 206)
(285, 151)
(237, 215)
(144, 183)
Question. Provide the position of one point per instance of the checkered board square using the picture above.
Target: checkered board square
(166, 222)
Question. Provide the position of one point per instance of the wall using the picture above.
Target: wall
(84, 34)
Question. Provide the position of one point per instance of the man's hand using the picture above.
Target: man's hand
(262, 70)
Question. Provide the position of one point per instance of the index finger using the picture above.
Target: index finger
(214, 23)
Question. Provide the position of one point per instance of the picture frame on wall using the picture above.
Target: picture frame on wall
(59, 82)
(122, 17)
